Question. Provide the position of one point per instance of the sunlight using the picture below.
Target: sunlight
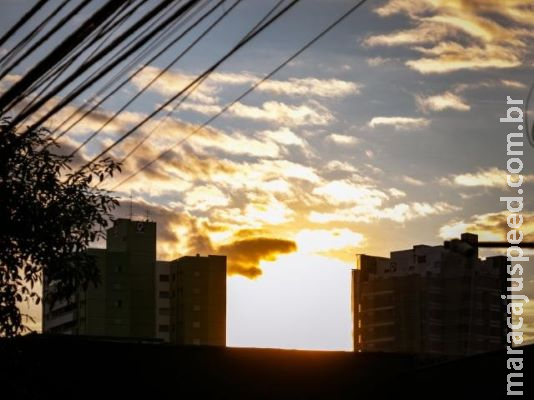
(301, 301)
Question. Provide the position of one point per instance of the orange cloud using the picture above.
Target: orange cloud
(457, 34)
(490, 226)
(441, 102)
(244, 255)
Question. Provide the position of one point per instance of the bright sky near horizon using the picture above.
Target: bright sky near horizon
(383, 135)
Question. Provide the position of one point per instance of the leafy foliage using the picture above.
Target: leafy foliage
(48, 217)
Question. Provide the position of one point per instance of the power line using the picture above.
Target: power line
(248, 91)
(59, 52)
(54, 74)
(47, 35)
(163, 71)
(29, 36)
(25, 18)
(186, 96)
(95, 58)
(244, 41)
(129, 78)
(119, 55)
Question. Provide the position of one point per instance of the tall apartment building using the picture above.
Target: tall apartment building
(134, 298)
(198, 300)
(440, 300)
(122, 304)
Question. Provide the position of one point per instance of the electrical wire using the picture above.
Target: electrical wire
(161, 73)
(186, 96)
(11, 95)
(48, 34)
(244, 41)
(25, 18)
(108, 67)
(248, 91)
(53, 74)
(121, 84)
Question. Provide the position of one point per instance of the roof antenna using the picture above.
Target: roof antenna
(147, 215)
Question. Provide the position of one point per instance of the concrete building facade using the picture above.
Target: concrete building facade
(136, 298)
(198, 300)
(122, 305)
(438, 300)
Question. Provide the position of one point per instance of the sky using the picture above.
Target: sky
(383, 135)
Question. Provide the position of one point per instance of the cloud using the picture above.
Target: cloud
(396, 193)
(440, 102)
(449, 57)
(342, 139)
(172, 82)
(286, 137)
(401, 213)
(491, 178)
(244, 255)
(346, 192)
(399, 123)
(490, 226)
(272, 212)
(377, 61)
(292, 86)
(408, 211)
(513, 84)
(273, 111)
(311, 87)
(180, 233)
(203, 198)
(336, 165)
(455, 34)
(412, 181)
(335, 243)
(425, 32)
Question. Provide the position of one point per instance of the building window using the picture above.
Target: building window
(118, 268)
(196, 307)
(196, 290)
(164, 278)
(118, 303)
(196, 274)
(196, 324)
(164, 311)
(421, 259)
(163, 328)
(196, 341)
(164, 294)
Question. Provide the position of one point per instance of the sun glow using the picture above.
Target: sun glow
(301, 301)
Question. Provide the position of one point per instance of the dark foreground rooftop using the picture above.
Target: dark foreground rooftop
(54, 367)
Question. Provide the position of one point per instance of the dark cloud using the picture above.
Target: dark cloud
(244, 255)
(244, 252)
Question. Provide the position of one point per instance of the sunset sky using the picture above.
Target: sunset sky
(382, 135)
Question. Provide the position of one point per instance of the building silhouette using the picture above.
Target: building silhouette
(436, 300)
(198, 300)
(191, 300)
(136, 297)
